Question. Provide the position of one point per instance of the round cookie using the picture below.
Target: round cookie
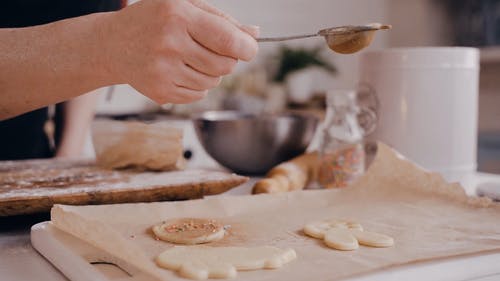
(189, 231)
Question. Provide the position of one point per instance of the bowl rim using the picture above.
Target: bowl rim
(235, 115)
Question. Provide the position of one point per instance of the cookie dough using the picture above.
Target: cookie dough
(372, 239)
(189, 231)
(156, 147)
(317, 229)
(341, 239)
(203, 262)
(346, 235)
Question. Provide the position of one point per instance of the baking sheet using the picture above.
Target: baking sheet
(428, 218)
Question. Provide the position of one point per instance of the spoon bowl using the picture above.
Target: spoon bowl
(351, 39)
(342, 39)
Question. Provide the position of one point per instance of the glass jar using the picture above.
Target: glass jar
(341, 151)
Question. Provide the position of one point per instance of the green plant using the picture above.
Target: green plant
(291, 60)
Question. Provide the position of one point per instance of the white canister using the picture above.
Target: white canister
(428, 104)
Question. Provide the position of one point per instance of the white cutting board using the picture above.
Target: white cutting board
(73, 257)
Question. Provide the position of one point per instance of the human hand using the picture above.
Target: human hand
(174, 51)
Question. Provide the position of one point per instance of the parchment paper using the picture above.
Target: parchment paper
(428, 218)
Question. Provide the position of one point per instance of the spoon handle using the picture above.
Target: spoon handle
(277, 39)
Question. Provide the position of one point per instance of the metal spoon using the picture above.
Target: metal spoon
(342, 39)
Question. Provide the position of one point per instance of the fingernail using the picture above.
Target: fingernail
(253, 30)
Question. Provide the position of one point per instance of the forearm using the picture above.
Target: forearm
(171, 51)
(77, 116)
(51, 63)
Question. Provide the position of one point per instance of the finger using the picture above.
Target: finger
(214, 33)
(184, 95)
(194, 80)
(250, 29)
(205, 61)
(171, 94)
(253, 30)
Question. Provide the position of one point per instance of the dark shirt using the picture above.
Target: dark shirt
(23, 137)
(21, 13)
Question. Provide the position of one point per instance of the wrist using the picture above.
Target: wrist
(100, 50)
(86, 45)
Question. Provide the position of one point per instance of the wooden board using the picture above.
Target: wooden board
(32, 186)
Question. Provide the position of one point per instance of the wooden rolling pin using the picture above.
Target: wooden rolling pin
(291, 175)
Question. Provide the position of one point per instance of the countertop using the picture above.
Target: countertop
(19, 261)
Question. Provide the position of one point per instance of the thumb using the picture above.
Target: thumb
(252, 30)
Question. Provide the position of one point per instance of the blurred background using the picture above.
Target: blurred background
(295, 75)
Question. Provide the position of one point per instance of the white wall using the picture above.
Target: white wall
(419, 23)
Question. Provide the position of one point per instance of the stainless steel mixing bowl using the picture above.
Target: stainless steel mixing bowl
(253, 144)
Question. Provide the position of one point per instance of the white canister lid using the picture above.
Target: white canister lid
(422, 57)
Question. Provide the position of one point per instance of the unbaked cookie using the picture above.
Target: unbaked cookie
(189, 231)
(346, 235)
(341, 239)
(203, 262)
(317, 229)
(372, 239)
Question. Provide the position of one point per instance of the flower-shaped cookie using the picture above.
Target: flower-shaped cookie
(346, 235)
